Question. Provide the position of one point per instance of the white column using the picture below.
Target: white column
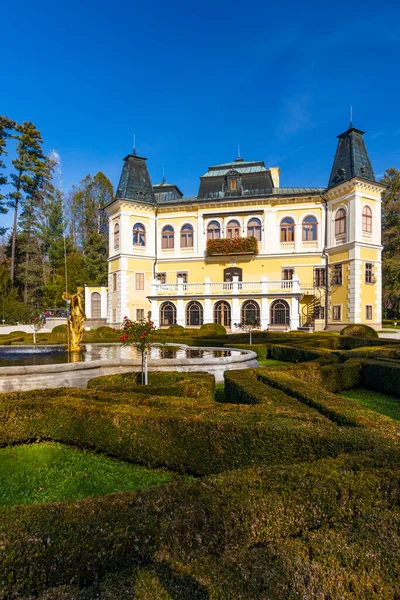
(88, 307)
(295, 314)
(235, 315)
(155, 313)
(267, 234)
(180, 312)
(103, 303)
(208, 316)
(297, 237)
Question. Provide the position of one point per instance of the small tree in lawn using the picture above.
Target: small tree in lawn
(140, 335)
(248, 325)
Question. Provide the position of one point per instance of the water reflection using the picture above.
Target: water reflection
(42, 355)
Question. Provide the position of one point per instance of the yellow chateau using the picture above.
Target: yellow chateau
(245, 249)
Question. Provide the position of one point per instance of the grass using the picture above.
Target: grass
(381, 403)
(50, 472)
(269, 362)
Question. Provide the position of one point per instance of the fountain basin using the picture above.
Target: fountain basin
(109, 359)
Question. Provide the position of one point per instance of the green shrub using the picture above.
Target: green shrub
(359, 331)
(16, 332)
(381, 376)
(213, 329)
(223, 532)
(104, 329)
(176, 329)
(60, 329)
(298, 354)
(332, 377)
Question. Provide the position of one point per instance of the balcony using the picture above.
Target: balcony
(264, 287)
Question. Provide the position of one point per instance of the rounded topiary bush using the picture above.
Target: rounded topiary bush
(213, 329)
(174, 329)
(18, 333)
(360, 331)
(104, 329)
(60, 329)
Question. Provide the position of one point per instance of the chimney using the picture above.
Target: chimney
(275, 174)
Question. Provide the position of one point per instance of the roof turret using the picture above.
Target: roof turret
(351, 159)
(135, 183)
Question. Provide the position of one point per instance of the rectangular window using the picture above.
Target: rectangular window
(139, 281)
(337, 312)
(319, 277)
(337, 278)
(183, 275)
(114, 312)
(114, 282)
(161, 277)
(319, 312)
(368, 312)
(369, 273)
(287, 274)
(140, 314)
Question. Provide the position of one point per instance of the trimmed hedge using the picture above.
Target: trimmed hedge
(244, 534)
(359, 331)
(298, 354)
(334, 377)
(260, 349)
(381, 376)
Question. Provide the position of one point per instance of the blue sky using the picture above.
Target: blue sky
(194, 80)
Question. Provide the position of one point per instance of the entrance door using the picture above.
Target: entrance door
(280, 313)
(222, 313)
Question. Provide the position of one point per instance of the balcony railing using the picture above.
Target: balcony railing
(223, 288)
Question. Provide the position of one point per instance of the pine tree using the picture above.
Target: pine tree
(391, 242)
(31, 168)
(91, 222)
(6, 125)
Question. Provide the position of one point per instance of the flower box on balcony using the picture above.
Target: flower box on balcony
(242, 245)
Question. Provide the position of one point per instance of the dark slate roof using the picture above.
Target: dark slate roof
(166, 191)
(351, 159)
(291, 192)
(252, 178)
(135, 183)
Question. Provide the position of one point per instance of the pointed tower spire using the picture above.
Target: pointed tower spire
(351, 159)
(135, 183)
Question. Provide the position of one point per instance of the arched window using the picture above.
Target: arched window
(213, 230)
(254, 229)
(287, 230)
(167, 237)
(222, 313)
(95, 305)
(194, 314)
(280, 313)
(250, 313)
(367, 220)
(167, 313)
(116, 236)
(233, 229)
(310, 229)
(340, 222)
(139, 235)
(187, 236)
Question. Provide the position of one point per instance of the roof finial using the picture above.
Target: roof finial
(351, 116)
(134, 144)
(239, 151)
(163, 176)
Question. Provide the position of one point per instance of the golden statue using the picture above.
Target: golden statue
(76, 322)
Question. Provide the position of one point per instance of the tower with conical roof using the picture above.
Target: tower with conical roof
(353, 241)
(351, 159)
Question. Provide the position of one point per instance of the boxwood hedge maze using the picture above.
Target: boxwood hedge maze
(284, 489)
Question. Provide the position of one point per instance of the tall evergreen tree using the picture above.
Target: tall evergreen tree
(391, 242)
(91, 222)
(31, 168)
(6, 125)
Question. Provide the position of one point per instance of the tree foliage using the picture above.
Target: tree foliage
(391, 243)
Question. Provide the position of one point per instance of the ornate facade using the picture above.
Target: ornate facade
(246, 249)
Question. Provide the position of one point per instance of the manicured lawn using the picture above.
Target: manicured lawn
(269, 362)
(49, 471)
(381, 403)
